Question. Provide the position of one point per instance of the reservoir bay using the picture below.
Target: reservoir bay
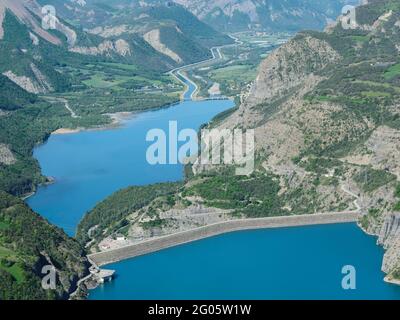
(90, 165)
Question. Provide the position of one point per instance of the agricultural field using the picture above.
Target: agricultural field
(393, 71)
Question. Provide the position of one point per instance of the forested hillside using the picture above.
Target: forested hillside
(12, 96)
(27, 244)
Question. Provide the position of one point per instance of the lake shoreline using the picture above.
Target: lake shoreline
(116, 121)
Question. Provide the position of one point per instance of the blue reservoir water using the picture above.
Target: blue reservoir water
(89, 166)
(288, 263)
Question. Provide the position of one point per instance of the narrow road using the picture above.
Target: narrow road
(82, 281)
(72, 112)
(354, 196)
(78, 286)
(66, 104)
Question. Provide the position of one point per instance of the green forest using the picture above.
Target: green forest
(27, 243)
(110, 214)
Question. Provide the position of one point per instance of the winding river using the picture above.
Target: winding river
(287, 263)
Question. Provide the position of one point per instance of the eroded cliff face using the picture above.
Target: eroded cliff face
(35, 248)
(389, 237)
(382, 152)
(289, 66)
(378, 218)
(107, 48)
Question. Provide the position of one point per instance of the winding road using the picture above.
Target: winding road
(72, 112)
(356, 204)
(66, 104)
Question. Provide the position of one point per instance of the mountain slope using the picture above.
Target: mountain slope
(156, 38)
(27, 244)
(154, 30)
(12, 96)
(33, 53)
(181, 37)
(25, 65)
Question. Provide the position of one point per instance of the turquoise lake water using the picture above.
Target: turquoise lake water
(91, 165)
(288, 263)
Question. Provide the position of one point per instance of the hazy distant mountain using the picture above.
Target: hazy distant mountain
(169, 29)
(282, 15)
(28, 51)
(222, 15)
